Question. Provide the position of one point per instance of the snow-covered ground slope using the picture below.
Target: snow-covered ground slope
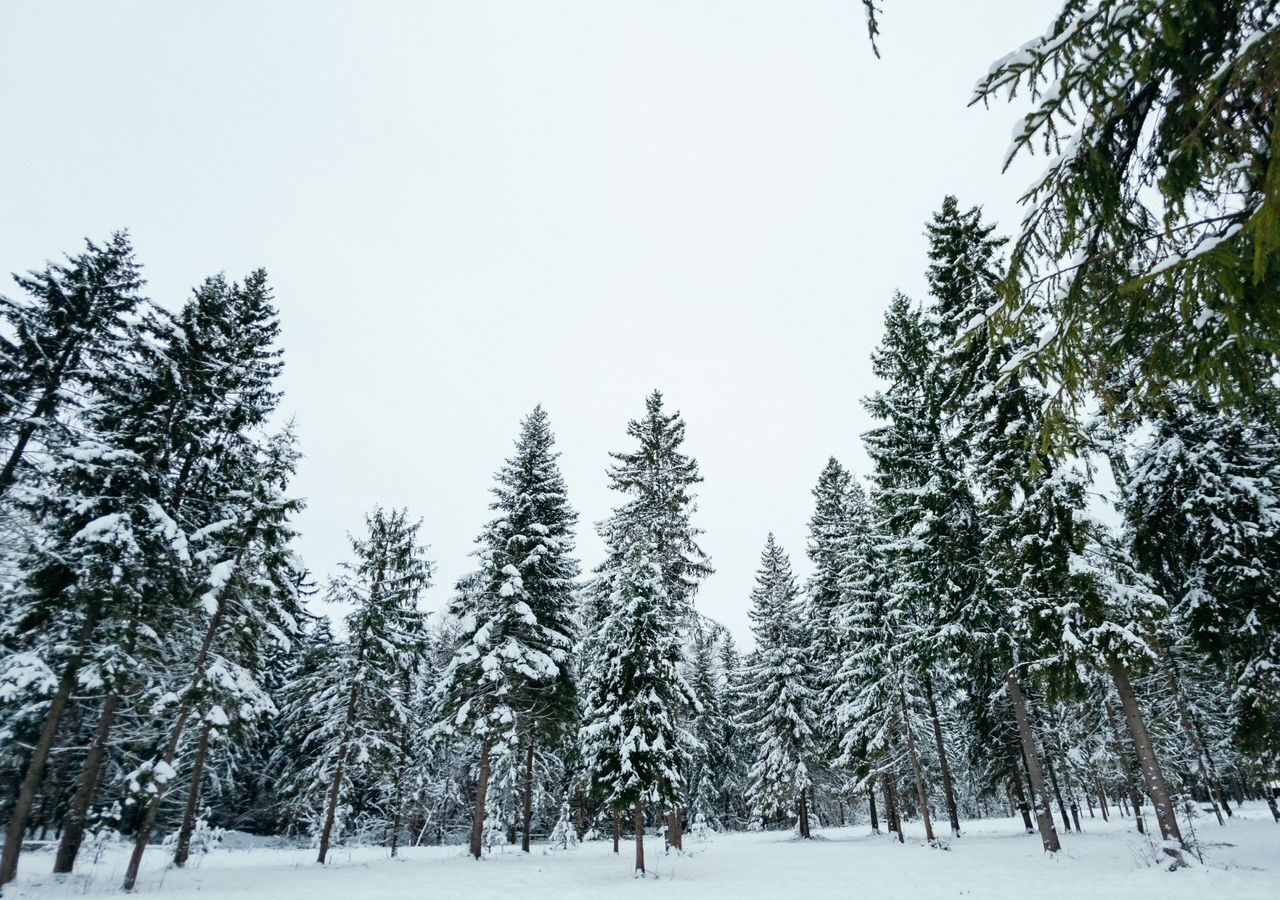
(993, 861)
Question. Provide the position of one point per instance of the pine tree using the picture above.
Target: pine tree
(359, 700)
(1201, 502)
(511, 682)
(651, 535)
(633, 745)
(76, 316)
(781, 698)
(1150, 241)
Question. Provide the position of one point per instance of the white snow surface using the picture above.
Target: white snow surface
(994, 860)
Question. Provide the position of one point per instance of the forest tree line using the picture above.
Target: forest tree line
(1053, 597)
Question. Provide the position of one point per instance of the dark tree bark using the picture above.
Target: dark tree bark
(922, 795)
(1149, 765)
(1023, 806)
(87, 790)
(1057, 791)
(617, 830)
(804, 816)
(528, 795)
(639, 821)
(1044, 813)
(482, 795)
(183, 849)
(1102, 798)
(891, 809)
(948, 786)
(871, 801)
(1193, 738)
(40, 754)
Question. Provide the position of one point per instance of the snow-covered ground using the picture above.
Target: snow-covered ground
(994, 860)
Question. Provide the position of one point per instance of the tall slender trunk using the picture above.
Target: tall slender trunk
(40, 753)
(339, 771)
(482, 796)
(617, 830)
(77, 818)
(1044, 813)
(180, 723)
(948, 786)
(804, 816)
(675, 830)
(871, 802)
(891, 811)
(1151, 773)
(1102, 797)
(1057, 791)
(528, 795)
(639, 820)
(183, 849)
(1131, 778)
(1023, 806)
(922, 796)
(1184, 717)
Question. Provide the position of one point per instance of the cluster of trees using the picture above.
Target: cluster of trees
(1058, 585)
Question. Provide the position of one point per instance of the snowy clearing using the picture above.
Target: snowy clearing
(994, 860)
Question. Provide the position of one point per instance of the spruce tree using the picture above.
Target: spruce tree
(652, 531)
(781, 699)
(511, 682)
(359, 701)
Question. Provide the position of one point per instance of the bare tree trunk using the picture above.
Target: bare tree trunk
(675, 829)
(871, 801)
(1057, 791)
(482, 795)
(183, 849)
(1151, 773)
(617, 830)
(891, 811)
(948, 787)
(339, 770)
(1044, 813)
(804, 816)
(86, 791)
(40, 754)
(1102, 798)
(639, 820)
(1184, 717)
(921, 795)
(1023, 806)
(528, 795)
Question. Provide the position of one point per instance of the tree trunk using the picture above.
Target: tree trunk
(183, 849)
(1023, 806)
(675, 830)
(1184, 717)
(804, 816)
(77, 817)
(891, 811)
(482, 795)
(1057, 791)
(1151, 774)
(617, 830)
(639, 820)
(1102, 798)
(948, 787)
(1044, 813)
(871, 801)
(528, 795)
(40, 754)
(180, 724)
(921, 795)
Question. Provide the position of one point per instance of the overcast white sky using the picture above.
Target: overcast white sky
(471, 207)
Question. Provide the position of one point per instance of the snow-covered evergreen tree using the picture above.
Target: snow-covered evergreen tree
(781, 700)
(511, 682)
